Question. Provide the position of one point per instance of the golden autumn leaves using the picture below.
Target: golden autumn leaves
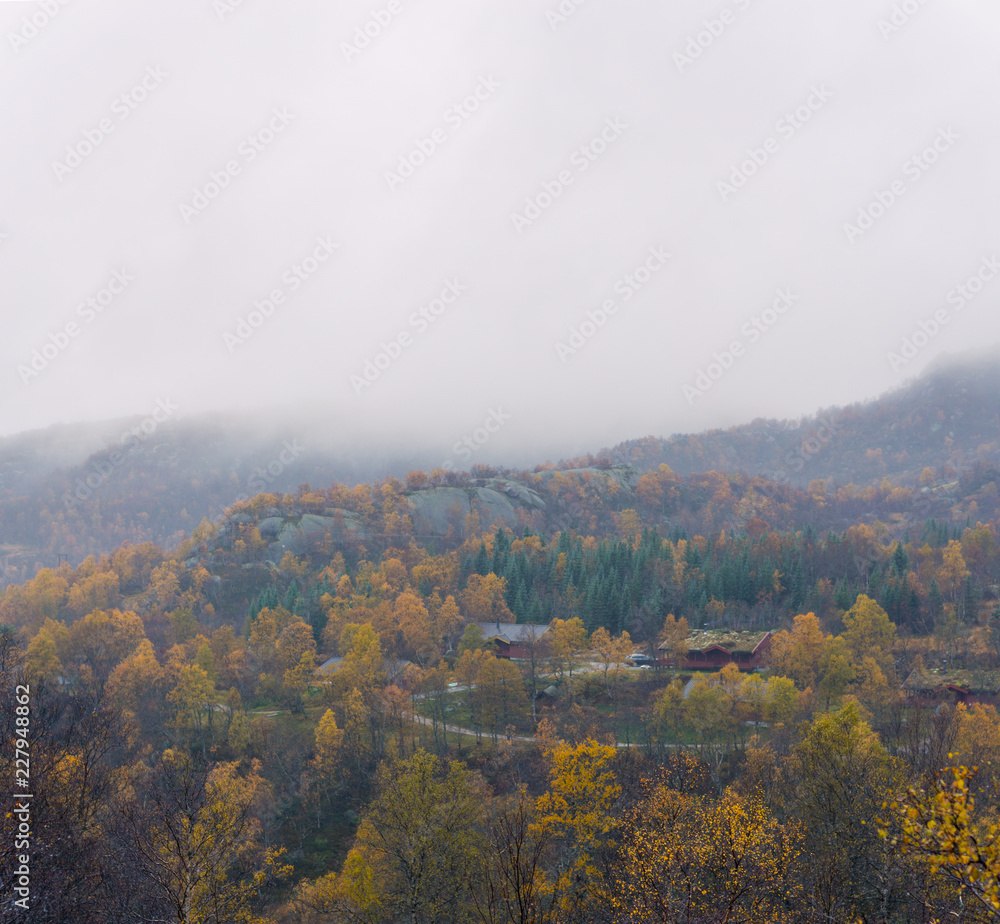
(937, 823)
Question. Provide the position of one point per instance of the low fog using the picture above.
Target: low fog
(564, 224)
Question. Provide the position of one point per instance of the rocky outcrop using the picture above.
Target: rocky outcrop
(434, 512)
(437, 509)
(300, 534)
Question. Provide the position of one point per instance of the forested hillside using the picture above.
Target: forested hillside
(948, 417)
(298, 712)
(69, 492)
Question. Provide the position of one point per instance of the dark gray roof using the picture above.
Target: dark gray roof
(512, 631)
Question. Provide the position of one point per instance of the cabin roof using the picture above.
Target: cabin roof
(725, 639)
(512, 632)
(932, 679)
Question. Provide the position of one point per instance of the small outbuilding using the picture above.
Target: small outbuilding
(937, 685)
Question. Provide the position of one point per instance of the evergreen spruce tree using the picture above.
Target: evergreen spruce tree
(900, 560)
(482, 560)
(843, 595)
(935, 602)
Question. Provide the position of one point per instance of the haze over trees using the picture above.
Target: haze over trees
(298, 713)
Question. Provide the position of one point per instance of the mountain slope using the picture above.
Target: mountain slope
(70, 491)
(949, 418)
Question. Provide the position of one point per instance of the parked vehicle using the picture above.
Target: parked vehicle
(640, 660)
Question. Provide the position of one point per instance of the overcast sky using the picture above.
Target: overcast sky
(593, 220)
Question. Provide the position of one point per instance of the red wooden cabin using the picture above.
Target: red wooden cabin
(713, 649)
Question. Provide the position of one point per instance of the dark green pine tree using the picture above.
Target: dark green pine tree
(624, 610)
(843, 595)
(796, 582)
(745, 589)
(481, 563)
(935, 603)
(900, 561)
(912, 612)
(575, 565)
(520, 607)
(266, 599)
(501, 548)
(889, 600)
(970, 601)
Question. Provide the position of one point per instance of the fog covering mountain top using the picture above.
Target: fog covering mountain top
(156, 481)
(949, 416)
(595, 219)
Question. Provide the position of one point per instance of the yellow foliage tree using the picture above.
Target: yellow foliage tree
(611, 654)
(577, 813)
(196, 837)
(953, 571)
(797, 654)
(567, 638)
(322, 771)
(937, 824)
(417, 846)
(103, 639)
(687, 859)
(99, 591)
(295, 681)
(135, 686)
(674, 640)
(484, 599)
(42, 658)
(498, 697)
(194, 701)
(868, 631)
(415, 623)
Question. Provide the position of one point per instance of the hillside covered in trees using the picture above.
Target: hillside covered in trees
(949, 417)
(71, 491)
(297, 712)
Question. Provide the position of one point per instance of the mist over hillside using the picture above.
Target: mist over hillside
(949, 416)
(73, 490)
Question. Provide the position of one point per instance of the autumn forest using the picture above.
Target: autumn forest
(475, 696)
